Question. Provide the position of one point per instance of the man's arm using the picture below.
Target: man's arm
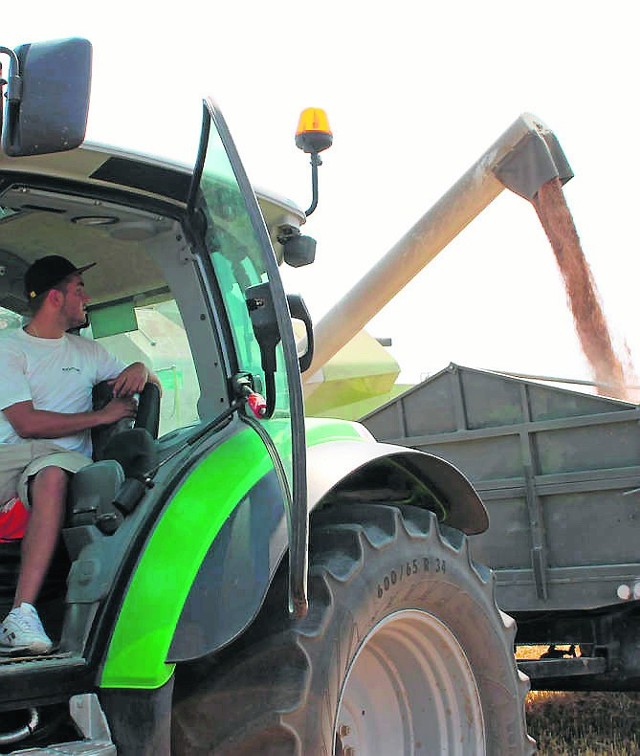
(29, 422)
(133, 379)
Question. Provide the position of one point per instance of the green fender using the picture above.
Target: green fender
(171, 558)
(338, 452)
(168, 565)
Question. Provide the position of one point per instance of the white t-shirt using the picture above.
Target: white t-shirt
(56, 375)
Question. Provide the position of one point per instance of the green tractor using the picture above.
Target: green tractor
(234, 577)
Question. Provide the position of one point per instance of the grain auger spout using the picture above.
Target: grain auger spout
(525, 158)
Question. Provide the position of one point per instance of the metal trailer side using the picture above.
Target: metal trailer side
(559, 472)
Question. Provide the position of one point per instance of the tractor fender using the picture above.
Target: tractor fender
(235, 574)
(346, 467)
(245, 556)
(229, 587)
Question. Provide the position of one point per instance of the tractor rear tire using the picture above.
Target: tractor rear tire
(403, 651)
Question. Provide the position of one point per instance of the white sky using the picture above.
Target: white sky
(415, 93)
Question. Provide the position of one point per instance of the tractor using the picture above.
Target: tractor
(233, 577)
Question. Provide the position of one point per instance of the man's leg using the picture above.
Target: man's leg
(48, 499)
(22, 631)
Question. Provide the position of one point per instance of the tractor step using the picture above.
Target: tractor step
(80, 748)
(7, 660)
(17, 667)
(90, 719)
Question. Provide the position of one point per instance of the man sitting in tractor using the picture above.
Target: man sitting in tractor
(46, 378)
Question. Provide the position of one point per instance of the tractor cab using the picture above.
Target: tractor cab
(151, 295)
(185, 281)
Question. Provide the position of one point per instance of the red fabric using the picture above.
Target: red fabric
(13, 521)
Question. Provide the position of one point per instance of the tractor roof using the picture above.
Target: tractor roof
(98, 203)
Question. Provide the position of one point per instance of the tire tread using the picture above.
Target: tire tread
(272, 672)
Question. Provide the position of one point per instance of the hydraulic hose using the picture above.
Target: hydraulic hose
(23, 732)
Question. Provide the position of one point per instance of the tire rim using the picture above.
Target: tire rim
(410, 690)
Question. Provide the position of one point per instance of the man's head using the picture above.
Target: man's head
(47, 273)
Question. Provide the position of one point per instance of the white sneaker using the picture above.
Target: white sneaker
(22, 632)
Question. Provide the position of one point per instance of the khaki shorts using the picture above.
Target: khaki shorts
(19, 462)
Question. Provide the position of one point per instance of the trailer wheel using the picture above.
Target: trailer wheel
(404, 651)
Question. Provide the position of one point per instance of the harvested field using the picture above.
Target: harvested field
(582, 724)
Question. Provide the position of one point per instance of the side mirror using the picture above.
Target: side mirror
(47, 97)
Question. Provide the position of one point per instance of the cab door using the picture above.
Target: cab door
(223, 209)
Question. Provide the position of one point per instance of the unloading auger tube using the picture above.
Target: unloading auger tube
(524, 158)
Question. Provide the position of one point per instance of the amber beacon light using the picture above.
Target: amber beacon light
(313, 135)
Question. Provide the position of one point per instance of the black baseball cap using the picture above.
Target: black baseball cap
(47, 272)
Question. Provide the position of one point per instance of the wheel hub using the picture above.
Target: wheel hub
(410, 690)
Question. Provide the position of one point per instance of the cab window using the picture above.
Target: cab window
(160, 341)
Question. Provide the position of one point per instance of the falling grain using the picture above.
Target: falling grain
(590, 322)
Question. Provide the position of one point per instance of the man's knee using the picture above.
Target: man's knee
(50, 481)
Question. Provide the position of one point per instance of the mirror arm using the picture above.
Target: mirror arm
(14, 90)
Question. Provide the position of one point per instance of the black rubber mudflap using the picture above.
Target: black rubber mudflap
(139, 720)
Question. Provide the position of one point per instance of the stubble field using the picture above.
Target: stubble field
(583, 724)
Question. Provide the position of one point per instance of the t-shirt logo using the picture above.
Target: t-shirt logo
(70, 369)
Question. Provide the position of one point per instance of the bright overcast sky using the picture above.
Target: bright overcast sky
(415, 93)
